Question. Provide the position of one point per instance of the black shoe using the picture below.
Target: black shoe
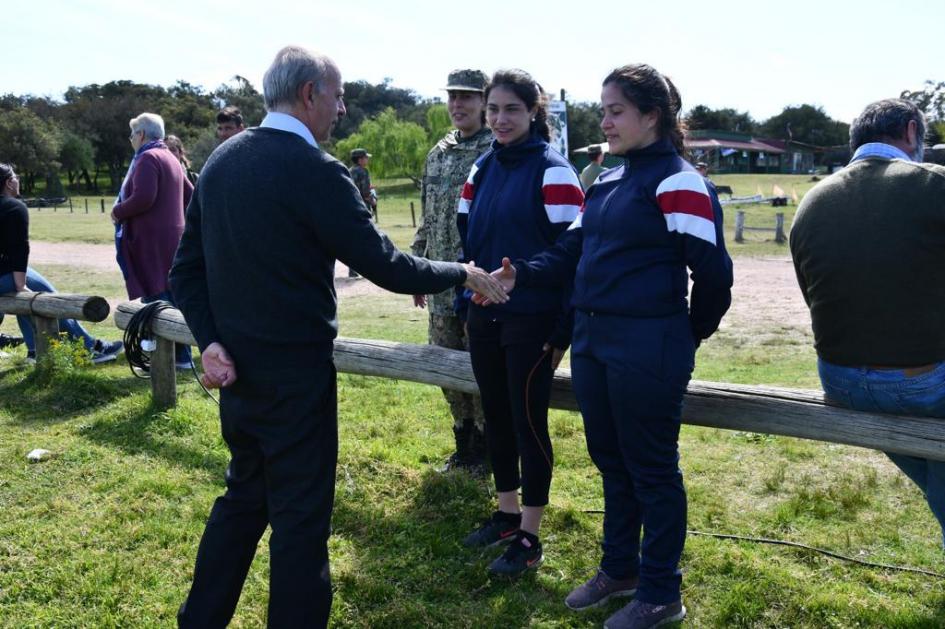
(10, 341)
(106, 351)
(523, 553)
(498, 529)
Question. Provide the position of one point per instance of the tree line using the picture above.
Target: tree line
(84, 136)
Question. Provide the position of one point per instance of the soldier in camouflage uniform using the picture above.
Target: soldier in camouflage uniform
(446, 169)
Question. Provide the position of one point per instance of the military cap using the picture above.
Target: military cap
(359, 153)
(466, 81)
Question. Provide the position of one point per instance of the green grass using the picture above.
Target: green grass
(105, 533)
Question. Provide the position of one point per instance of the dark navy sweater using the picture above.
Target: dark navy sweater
(643, 224)
(517, 201)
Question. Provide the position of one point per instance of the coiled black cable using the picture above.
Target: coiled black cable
(138, 331)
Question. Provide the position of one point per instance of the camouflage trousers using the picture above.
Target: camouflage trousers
(447, 331)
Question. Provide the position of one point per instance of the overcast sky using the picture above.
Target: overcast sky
(740, 54)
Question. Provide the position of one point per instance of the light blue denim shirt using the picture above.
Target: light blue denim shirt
(880, 149)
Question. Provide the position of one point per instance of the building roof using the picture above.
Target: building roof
(750, 145)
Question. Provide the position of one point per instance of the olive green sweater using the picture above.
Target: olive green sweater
(869, 251)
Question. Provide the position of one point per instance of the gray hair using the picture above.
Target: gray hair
(151, 124)
(293, 67)
(887, 120)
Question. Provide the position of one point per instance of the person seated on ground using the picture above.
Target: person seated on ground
(16, 276)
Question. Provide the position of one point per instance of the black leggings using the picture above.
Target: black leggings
(503, 354)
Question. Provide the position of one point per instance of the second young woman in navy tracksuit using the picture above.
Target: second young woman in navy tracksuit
(520, 196)
(644, 227)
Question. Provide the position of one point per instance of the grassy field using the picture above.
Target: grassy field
(105, 533)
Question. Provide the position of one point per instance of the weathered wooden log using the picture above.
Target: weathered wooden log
(46, 330)
(163, 375)
(168, 323)
(55, 306)
(762, 409)
(739, 226)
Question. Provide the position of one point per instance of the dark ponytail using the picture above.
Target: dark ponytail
(650, 91)
(530, 92)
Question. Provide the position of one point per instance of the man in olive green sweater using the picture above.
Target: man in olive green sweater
(869, 250)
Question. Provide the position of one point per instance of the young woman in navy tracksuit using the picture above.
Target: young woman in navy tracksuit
(643, 225)
(520, 196)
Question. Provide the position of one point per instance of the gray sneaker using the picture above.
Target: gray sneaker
(640, 615)
(598, 590)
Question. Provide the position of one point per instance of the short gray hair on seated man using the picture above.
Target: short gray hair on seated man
(887, 120)
(293, 67)
(151, 124)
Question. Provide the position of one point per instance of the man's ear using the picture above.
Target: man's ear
(912, 133)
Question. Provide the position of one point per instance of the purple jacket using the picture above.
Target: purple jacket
(153, 218)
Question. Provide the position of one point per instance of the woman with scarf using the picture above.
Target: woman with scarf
(647, 227)
(520, 196)
(149, 216)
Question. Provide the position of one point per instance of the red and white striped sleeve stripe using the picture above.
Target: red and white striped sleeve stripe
(686, 205)
(562, 193)
(466, 197)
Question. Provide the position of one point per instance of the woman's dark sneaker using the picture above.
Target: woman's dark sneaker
(523, 553)
(640, 615)
(498, 529)
(598, 590)
(10, 341)
(106, 351)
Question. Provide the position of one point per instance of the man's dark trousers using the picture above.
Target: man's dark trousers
(282, 434)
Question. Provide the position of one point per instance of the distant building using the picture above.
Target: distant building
(732, 152)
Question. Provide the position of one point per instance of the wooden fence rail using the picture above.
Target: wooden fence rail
(769, 410)
(47, 308)
(741, 228)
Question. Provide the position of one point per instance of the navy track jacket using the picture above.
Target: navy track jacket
(643, 224)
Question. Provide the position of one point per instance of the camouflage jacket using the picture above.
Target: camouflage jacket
(362, 179)
(444, 173)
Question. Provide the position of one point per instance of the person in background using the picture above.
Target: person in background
(176, 147)
(362, 178)
(869, 252)
(646, 225)
(150, 214)
(519, 197)
(593, 170)
(17, 276)
(444, 173)
(229, 123)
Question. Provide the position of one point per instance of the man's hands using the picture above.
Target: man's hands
(218, 368)
(484, 285)
(506, 278)
(556, 355)
(420, 301)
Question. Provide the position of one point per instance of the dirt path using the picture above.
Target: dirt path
(765, 291)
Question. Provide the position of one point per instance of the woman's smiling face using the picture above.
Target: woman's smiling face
(508, 116)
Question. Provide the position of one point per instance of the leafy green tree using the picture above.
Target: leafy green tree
(584, 125)
(806, 123)
(77, 156)
(727, 119)
(930, 99)
(399, 147)
(31, 144)
(101, 114)
(365, 100)
(438, 122)
(239, 92)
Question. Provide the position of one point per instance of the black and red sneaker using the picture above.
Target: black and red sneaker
(499, 529)
(523, 553)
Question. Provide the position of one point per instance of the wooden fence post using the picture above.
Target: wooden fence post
(70, 205)
(86, 206)
(779, 228)
(47, 330)
(163, 374)
(102, 201)
(739, 226)
(413, 217)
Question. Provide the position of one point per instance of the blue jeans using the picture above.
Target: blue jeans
(890, 391)
(39, 284)
(181, 352)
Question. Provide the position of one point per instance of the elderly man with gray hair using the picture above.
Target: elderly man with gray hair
(254, 278)
(869, 250)
(149, 215)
